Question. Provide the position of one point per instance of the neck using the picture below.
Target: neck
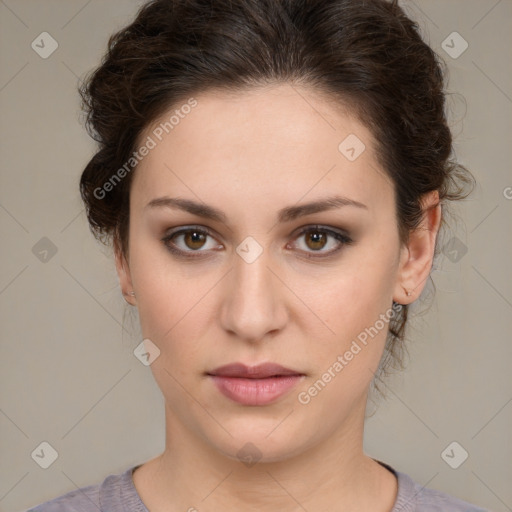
(332, 475)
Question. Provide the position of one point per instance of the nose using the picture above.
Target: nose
(253, 306)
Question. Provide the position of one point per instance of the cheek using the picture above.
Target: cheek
(343, 365)
(162, 296)
(356, 306)
(353, 295)
(170, 306)
(172, 301)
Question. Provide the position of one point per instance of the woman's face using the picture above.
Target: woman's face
(248, 287)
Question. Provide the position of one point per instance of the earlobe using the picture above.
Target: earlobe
(417, 257)
(123, 273)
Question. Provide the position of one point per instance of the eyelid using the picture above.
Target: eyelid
(182, 230)
(340, 235)
(319, 227)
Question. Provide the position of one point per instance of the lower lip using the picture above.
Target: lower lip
(255, 391)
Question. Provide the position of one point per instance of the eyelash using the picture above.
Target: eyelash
(341, 237)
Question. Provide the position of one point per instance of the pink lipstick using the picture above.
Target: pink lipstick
(255, 385)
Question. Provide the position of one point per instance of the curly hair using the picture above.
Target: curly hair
(366, 54)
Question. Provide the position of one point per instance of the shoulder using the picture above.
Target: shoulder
(116, 492)
(78, 500)
(413, 497)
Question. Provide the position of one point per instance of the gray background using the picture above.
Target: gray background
(69, 376)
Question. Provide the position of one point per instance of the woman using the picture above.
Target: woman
(271, 175)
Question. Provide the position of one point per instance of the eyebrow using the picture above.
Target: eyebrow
(284, 215)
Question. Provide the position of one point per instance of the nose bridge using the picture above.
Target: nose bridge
(252, 305)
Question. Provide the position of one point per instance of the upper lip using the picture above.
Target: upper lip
(260, 371)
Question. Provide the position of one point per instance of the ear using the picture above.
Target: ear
(123, 273)
(417, 256)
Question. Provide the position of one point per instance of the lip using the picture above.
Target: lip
(254, 385)
(259, 371)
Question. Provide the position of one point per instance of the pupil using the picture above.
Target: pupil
(318, 240)
(196, 238)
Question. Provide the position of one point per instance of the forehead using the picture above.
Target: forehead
(264, 141)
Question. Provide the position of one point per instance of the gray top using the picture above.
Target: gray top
(118, 494)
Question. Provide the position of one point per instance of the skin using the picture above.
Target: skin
(250, 154)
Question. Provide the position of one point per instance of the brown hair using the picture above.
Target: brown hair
(367, 54)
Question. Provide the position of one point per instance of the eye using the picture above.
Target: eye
(317, 238)
(193, 240)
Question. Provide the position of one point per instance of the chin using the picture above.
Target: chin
(267, 444)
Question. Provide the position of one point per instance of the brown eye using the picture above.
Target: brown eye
(194, 239)
(316, 240)
(190, 242)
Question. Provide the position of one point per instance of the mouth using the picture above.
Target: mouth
(255, 385)
(260, 371)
